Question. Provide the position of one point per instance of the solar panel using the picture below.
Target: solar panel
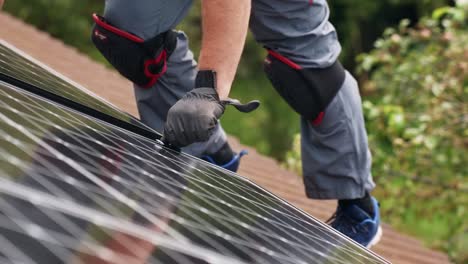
(75, 189)
(22, 70)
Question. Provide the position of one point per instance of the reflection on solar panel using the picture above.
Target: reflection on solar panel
(74, 189)
(23, 71)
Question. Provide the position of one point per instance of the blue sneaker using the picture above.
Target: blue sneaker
(358, 225)
(232, 165)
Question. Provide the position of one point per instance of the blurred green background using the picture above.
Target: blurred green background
(411, 59)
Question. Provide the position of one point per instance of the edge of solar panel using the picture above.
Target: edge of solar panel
(16, 190)
(133, 124)
(97, 118)
(200, 252)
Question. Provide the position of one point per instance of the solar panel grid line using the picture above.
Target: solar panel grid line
(17, 217)
(87, 126)
(72, 228)
(106, 221)
(112, 212)
(59, 193)
(12, 252)
(229, 219)
(308, 216)
(32, 105)
(58, 74)
(222, 233)
(121, 197)
(66, 224)
(4, 260)
(208, 205)
(87, 247)
(227, 190)
(228, 215)
(207, 224)
(18, 68)
(38, 170)
(319, 227)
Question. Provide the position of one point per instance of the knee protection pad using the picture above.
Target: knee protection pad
(307, 90)
(141, 61)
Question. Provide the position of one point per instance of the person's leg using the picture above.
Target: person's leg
(146, 19)
(302, 65)
(336, 160)
(335, 152)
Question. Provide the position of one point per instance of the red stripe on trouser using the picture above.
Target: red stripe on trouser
(285, 60)
(318, 120)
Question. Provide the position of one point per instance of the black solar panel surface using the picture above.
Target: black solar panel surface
(78, 190)
(23, 71)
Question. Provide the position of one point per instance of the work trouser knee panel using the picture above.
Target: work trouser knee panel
(335, 115)
(141, 61)
(307, 90)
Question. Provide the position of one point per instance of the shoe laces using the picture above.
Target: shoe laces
(341, 221)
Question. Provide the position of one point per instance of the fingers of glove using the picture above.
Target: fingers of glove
(192, 122)
(187, 134)
(173, 138)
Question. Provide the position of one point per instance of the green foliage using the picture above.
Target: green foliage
(360, 23)
(417, 118)
(418, 124)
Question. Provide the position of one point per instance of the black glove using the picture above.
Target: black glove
(194, 117)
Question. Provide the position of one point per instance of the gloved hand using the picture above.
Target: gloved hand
(194, 117)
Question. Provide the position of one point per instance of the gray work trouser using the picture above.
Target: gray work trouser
(335, 154)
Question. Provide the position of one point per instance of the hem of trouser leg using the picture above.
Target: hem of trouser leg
(342, 193)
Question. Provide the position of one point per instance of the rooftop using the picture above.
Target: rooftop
(266, 172)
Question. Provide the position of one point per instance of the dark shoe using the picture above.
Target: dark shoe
(358, 225)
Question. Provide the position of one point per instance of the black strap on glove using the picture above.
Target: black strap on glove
(194, 117)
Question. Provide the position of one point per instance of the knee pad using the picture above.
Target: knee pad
(307, 90)
(141, 61)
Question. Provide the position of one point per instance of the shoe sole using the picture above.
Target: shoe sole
(376, 238)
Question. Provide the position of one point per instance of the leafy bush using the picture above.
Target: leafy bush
(416, 115)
